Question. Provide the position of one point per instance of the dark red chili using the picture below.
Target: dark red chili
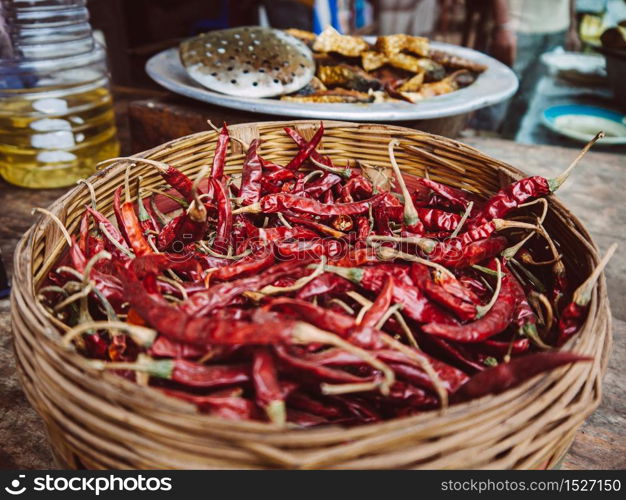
(247, 266)
(506, 375)
(414, 304)
(463, 310)
(228, 407)
(166, 348)
(132, 228)
(269, 394)
(250, 190)
(438, 220)
(224, 228)
(279, 202)
(511, 197)
(305, 151)
(219, 158)
(492, 323)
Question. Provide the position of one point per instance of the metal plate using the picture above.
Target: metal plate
(494, 85)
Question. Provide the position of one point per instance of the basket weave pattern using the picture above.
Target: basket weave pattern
(99, 420)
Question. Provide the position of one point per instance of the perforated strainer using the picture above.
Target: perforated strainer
(248, 61)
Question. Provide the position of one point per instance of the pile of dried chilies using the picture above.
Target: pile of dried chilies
(312, 293)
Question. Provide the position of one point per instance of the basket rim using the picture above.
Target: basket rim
(24, 292)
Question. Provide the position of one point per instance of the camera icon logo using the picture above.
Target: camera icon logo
(15, 489)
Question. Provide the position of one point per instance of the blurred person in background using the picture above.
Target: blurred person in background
(522, 31)
(413, 17)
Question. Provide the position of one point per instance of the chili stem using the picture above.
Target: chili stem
(482, 310)
(542, 201)
(410, 213)
(141, 335)
(125, 251)
(175, 284)
(386, 253)
(73, 298)
(425, 244)
(509, 253)
(357, 297)
(388, 313)
(582, 295)
(346, 173)
(306, 334)
(335, 389)
(283, 221)
(558, 181)
(530, 276)
(57, 221)
(92, 193)
(300, 283)
(468, 210)
(343, 305)
(243, 143)
(182, 202)
(423, 363)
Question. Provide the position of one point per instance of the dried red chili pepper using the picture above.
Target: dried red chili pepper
(130, 226)
(573, 314)
(414, 304)
(154, 264)
(305, 151)
(492, 323)
(111, 230)
(302, 143)
(202, 303)
(463, 310)
(166, 348)
(456, 256)
(357, 187)
(304, 402)
(228, 407)
(219, 158)
(454, 198)
(325, 284)
(316, 371)
(247, 266)
(380, 306)
(506, 375)
(320, 228)
(224, 228)
(438, 220)
(188, 373)
(308, 249)
(279, 202)
(250, 189)
(323, 186)
(269, 394)
(519, 192)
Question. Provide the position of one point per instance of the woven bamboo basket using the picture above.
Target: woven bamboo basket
(98, 420)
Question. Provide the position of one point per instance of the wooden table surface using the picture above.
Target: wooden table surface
(595, 193)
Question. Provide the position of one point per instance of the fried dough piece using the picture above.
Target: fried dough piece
(332, 96)
(449, 84)
(393, 44)
(350, 77)
(455, 62)
(330, 40)
(413, 84)
(371, 60)
(307, 37)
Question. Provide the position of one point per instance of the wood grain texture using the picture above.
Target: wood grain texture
(595, 194)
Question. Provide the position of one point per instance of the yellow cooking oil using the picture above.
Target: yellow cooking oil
(53, 136)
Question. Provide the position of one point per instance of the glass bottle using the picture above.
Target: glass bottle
(56, 112)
